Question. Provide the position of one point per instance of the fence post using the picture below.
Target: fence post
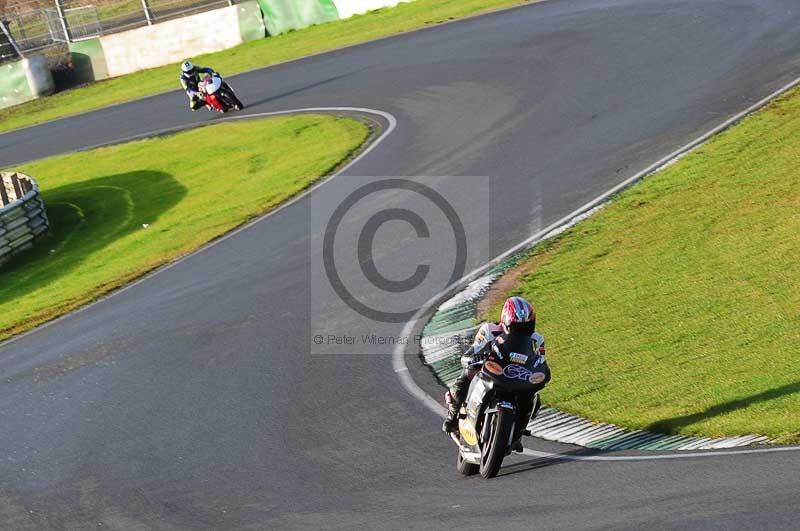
(63, 19)
(4, 200)
(147, 14)
(11, 40)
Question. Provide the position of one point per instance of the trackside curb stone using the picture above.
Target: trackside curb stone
(445, 337)
(442, 356)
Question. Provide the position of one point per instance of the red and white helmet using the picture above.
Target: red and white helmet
(518, 315)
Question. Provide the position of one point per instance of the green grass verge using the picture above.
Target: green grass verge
(188, 188)
(249, 56)
(677, 307)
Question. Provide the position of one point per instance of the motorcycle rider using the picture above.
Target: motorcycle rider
(190, 79)
(515, 333)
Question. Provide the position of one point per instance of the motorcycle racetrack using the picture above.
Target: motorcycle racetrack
(196, 401)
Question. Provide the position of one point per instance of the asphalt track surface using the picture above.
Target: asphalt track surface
(192, 400)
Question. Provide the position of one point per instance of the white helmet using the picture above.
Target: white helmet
(187, 67)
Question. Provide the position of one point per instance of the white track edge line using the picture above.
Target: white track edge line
(392, 121)
(713, 453)
(289, 62)
(398, 356)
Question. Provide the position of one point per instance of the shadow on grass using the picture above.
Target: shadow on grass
(85, 217)
(670, 426)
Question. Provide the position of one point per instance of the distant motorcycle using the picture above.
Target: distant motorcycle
(489, 414)
(218, 94)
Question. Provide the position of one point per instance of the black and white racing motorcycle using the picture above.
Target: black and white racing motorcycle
(488, 418)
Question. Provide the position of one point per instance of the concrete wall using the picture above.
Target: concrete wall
(40, 80)
(88, 60)
(348, 8)
(24, 80)
(167, 42)
(22, 215)
(172, 41)
(281, 16)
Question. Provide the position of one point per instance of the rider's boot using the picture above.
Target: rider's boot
(525, 416)
(455, 397)
(450, 424)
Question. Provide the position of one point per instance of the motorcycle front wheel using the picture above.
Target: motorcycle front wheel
(495, 450)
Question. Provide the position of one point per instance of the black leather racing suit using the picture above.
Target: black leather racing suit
(190, 82)
(491, 337)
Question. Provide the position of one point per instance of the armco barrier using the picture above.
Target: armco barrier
(168, 42)
(24, 80)
(22, 215)
(283, 15)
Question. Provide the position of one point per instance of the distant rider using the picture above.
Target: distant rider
(190, 79)
(514, 334)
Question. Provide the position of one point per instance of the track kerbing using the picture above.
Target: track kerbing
(581, 213)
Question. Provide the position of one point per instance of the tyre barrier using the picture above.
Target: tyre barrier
(23, 219)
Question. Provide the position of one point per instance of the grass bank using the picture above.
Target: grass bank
(249, 56)
(118, 212)
(677, 307)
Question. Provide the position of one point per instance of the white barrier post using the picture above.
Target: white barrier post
(63, 20)
(10, 38)
(147, 13)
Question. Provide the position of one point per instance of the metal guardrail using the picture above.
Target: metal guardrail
(22, 214)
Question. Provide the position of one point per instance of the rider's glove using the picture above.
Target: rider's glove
(467, 361)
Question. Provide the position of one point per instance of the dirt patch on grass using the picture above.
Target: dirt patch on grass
(508, 285)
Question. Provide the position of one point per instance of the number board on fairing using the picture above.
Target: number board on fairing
(516, 357)
(517, 372)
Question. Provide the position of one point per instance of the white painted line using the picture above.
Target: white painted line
(398, 356)
(412, 387)
(653, 457)
(392, 125)
(430, 27)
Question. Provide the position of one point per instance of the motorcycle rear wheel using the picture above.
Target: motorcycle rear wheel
(492, 456)
(465, 467)
(231, 99)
